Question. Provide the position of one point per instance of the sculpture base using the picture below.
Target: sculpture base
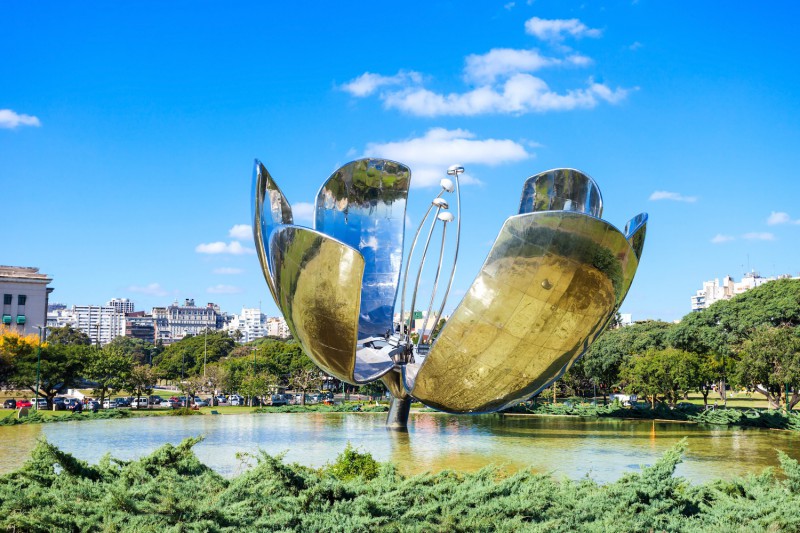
(398, 414)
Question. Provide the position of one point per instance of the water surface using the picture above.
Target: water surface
(602, 449)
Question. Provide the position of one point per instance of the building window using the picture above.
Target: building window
(7, 299)
(21, 299)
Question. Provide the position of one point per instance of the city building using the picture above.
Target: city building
(100, 322)
(122, 305)
(139, 325)
(714, 291)
(252, 324)
(25, 294)
(175, 322)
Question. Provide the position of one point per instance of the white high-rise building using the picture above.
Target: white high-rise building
(277, 327)
(253, 324)
(177, 321)
(122, 305)
(100, 322)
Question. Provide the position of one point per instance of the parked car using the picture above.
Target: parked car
(123, 402)
(24, 403)
(93, 405)
(155, 400)
(278, 399)
(76, 406)
(11, 403)
(235, 399)
(172, 404)
(71, 403)
(139, 403)
(108, 403)
(40, 403)
(199, 402)
(222, 399)
(59, 403)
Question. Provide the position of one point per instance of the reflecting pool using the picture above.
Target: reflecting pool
(602, 449)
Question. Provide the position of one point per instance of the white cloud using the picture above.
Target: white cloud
(153, 289)
(635, 46)
(430, 155)
(674, 196)
(510, 5)
(758, 236)
(224, 289)
(555, 30)
(521, 93)
(368, 83)
(228, 271)
(241, 232)
(778, 217)
(10, 119)
(219, 247)
(303, 212)
(720, 238)
(497, 62)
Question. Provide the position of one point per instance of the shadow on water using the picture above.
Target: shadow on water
(572, 447)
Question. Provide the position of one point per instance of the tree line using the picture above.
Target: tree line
(209, 362)
(751, 341)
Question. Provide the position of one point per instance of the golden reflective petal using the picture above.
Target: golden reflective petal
(548, 287)
(317, 282)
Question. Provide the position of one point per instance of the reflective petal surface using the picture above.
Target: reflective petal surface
(561, 189)
(363, 204)
(549, 285)
(635, 231)
(317, 282)
(270, 209)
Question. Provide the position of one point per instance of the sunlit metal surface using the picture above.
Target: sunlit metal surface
(318, 284)
(363, 204)
(549, 285)
(564, 189)
(267, 194)
(635, 231)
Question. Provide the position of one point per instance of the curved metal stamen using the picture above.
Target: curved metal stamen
(454, 170)
(444, 183)
(445, 218)
(421, 265)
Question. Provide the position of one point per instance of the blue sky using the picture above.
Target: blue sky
(128, 131)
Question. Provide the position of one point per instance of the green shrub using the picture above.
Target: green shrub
(352, 464)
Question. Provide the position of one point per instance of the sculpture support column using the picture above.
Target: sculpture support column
(398, 413)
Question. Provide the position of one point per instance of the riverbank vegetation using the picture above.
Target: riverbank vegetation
(171, 490)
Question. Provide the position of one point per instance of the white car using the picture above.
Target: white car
(108, 403)
(139, 403)
(235, 399)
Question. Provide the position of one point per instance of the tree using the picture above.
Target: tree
(259, 385)
(142, 352)
(661, 373)
(61, 367)
(185, 357)
(108, 368)
(140, 380)
(304, 378)
(603, 359)
(770, 363)
(68, 336)
(13, 347)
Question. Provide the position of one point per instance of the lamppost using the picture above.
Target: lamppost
(38, 364)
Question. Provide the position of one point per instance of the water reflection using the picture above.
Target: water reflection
(601, 449)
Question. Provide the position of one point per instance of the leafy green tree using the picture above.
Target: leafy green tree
(660, 375)
(770, 363)
(61, 367)
(304, 378)
(258, 386)
(142, 352)
(140, 380)
(185, 357)
(108, 368)
(68, 335)
(603, 359)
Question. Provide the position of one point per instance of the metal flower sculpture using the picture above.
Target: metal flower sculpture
(554, 277)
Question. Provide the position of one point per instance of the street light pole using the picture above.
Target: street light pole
(38, 364)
